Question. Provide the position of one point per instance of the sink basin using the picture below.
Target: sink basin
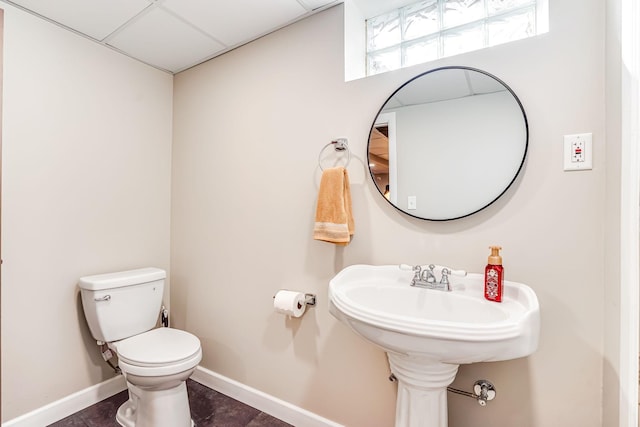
(452, 327)
(427, 333)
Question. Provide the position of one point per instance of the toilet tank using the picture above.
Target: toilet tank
(124, 304)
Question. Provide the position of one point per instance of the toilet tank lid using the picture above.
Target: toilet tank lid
(121, 278)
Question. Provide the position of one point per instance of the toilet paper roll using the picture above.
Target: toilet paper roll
(290, 303)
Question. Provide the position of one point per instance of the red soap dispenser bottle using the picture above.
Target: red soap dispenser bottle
(493, 276)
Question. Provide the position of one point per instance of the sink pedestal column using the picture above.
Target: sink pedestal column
(422, 390)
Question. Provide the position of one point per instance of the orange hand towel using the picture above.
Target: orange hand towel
(334, 220)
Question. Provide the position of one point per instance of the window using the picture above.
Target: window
(433, 29)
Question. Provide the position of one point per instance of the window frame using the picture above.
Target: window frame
(539, 8)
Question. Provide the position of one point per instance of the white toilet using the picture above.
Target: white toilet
(122, 310)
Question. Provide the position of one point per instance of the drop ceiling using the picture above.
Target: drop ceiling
(172, 35)
(438, 87)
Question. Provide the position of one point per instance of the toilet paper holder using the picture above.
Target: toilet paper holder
(309, 299)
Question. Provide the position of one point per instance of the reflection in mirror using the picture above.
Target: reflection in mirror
(448, 143)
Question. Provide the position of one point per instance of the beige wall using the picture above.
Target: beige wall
(87, 133)
(248, 127)
(86, 179)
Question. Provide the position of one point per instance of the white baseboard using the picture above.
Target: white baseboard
(271, 405)
(75, 402)
(71, 404)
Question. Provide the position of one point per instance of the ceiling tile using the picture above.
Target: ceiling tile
(174, 35)
(237, 21)
(481, 83)
(315, 4)
(160, 39)
(438, 87)
(95, 18)
(371, 8)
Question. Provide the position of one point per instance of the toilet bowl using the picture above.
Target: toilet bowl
(156, 365)
(122, 310)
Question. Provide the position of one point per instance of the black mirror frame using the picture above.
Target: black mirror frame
(454, 67)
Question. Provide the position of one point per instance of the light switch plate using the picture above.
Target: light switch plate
(578, 152)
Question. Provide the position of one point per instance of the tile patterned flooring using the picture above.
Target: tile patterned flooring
(208, 409)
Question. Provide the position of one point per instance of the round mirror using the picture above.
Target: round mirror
(448, 143)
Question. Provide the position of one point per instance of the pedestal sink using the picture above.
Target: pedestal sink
(428, 333)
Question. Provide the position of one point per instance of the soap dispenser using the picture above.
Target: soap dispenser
(493, 276)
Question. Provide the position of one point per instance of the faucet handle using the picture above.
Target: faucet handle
(445, 276)
(416, 272)
(433, 267)
(444, 280)
(452, 272)
(409, 267)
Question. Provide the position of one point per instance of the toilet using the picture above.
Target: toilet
(122, 310)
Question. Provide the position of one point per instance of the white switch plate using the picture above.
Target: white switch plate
(578, 152)
(411, 202)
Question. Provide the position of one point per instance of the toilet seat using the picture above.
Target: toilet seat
(162, 351)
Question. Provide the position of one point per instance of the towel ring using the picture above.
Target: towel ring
(340, 144)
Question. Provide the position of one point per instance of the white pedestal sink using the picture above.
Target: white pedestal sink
(428, 333)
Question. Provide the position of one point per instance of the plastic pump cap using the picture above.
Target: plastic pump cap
(495, 258)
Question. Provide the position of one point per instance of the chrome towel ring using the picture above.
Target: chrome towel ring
(340, 144)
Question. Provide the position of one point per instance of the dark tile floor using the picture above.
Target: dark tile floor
(208, 409)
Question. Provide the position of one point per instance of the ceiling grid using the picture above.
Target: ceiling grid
(172, 35)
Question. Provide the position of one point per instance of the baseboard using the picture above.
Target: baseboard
(71, 404)
(75, 402)
(271, 405)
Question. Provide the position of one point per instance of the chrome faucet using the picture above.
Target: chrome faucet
(426, 278)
